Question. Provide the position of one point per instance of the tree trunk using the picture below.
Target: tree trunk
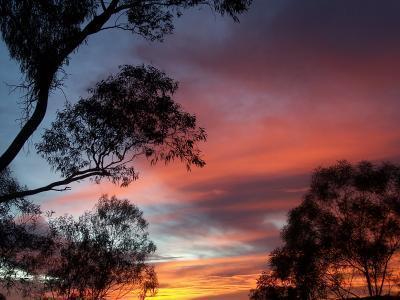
(28, 129)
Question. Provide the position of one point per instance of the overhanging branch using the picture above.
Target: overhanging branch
(53, 186)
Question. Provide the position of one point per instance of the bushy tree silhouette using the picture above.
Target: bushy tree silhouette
(346, 228)
(126, 116)
(42, 35)
(102, 252)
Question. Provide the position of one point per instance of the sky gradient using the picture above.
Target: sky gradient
(294, 85)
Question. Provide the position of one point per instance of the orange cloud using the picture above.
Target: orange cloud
(191, 279)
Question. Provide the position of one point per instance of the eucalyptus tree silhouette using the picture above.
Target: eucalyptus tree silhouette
(346, 228)
(42, 35)
(102, 253)
(126, 116)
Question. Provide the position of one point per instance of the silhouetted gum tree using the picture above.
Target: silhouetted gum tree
(41, 36)
(126, 116)
(102, 253)
(346, 228)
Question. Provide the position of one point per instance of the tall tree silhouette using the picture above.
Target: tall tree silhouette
(42, 35)
(347, 227)
(126, 116)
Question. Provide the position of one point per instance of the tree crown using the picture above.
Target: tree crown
(348, 225)
(128, 115)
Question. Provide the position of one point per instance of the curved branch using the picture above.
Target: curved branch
(43, 91)
(52, 186)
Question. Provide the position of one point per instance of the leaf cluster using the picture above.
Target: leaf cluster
(40, 31)
(126, 116)
(41, 35)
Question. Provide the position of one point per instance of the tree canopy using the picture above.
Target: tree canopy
(347, 228)
(103, 252)
(126, 116)
(42, 35)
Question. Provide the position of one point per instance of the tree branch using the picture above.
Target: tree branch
(103, 6)
(44, 87)
(52, 186)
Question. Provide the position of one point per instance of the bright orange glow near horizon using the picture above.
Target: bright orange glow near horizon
(196, 279)
(185, 280)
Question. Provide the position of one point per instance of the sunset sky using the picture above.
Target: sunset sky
(294, 85)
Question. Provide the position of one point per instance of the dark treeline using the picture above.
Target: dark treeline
(346, 230)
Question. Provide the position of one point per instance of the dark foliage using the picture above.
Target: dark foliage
(37, 31)
(103, 252)
(271, 287)
(126, 116)
(41, 35)
(48, 31)
(347, 227)
(23, 240)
